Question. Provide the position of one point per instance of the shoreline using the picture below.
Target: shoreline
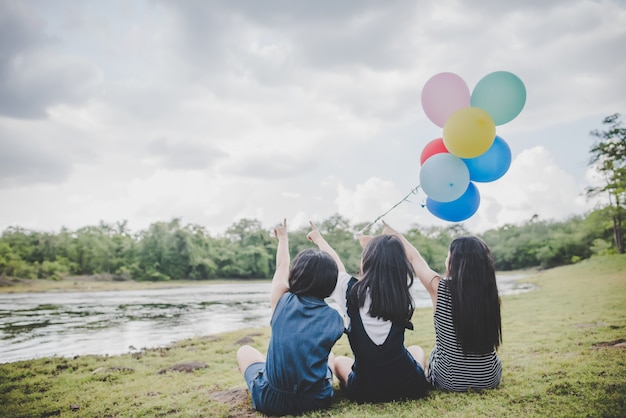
(104, 282)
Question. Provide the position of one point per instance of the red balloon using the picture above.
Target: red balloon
(435, 146)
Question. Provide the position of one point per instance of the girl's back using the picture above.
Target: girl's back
(383, 371)
(448, 366)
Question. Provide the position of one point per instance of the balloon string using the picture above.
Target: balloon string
(404, 199)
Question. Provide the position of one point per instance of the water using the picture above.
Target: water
(34, 325)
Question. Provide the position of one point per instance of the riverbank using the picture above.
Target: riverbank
(98, 283)
(104, 282)
(563, 355)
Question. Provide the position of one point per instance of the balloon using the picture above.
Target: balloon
(492, 164)
(442, 95)
(457, 210)
(469, 132)
(444, 177)
(435, 146)
(501, 94)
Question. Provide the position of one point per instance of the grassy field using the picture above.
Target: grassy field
(563, 354)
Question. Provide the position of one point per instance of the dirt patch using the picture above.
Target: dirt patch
(210, 338)
(12, 281)
(247, 339)
(591, 325)
(184, 367)
(621, 343)
(238, 401)
(102, 277)
(67, 283)
(120, 369)
(244, 340)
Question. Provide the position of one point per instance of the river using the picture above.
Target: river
(66, 324)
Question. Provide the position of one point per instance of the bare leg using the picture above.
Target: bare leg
(342, 369)
(247, 355)
(418, 354)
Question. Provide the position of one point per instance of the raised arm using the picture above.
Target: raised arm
(280, 281)
(316, 238)
(427, 276)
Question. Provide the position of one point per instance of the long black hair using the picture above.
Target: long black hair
(475, 299)
(387, 277)
(313, 272)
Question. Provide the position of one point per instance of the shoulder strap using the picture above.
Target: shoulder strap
(351, 283)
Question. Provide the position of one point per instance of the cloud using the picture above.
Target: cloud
(42, 152)
(183, 155)
(323, 35)
(212, 111)
(34, 77)
(21, 164)
(534, 185)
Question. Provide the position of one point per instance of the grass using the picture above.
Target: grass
(563, 355)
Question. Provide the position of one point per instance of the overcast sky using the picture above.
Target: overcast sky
(213, 111)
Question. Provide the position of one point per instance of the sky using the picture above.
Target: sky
(215, 111)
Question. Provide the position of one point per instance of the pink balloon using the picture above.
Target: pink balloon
(442, 95)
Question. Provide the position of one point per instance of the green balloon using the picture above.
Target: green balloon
(501, 94)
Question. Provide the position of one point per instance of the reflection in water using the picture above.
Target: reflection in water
(36, 325)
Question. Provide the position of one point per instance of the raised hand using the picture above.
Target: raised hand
(314, 236)
(387, 230)
(281, 230)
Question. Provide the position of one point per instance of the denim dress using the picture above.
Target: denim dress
(295, 377)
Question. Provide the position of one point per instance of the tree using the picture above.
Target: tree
(608, 156)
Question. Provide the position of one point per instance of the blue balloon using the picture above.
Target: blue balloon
(444, 177)
(492, 164)
(457, 210)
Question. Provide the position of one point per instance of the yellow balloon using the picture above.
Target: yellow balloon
(469, 132)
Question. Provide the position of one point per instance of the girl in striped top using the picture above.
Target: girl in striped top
(467, 319)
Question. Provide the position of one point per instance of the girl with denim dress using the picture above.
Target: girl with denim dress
(378, 307)
(295, 377)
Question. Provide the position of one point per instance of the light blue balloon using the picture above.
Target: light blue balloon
(492, 164)
(444, 177)
(458, 210)
(501, 94)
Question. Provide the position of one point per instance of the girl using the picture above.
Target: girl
(379, 307)
(466, 314)
(296, 377)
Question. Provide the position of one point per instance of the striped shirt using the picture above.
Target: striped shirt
(448, 367)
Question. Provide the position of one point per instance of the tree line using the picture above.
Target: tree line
(173, 251)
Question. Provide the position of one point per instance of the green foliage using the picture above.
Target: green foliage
(545, 244)
(433, 245)
(339, 233)
(53, 269)
(608, 157)
(172, 251)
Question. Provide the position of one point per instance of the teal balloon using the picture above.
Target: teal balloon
(492, 164)
(501, 94)
(444, 177)
(458, 210)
